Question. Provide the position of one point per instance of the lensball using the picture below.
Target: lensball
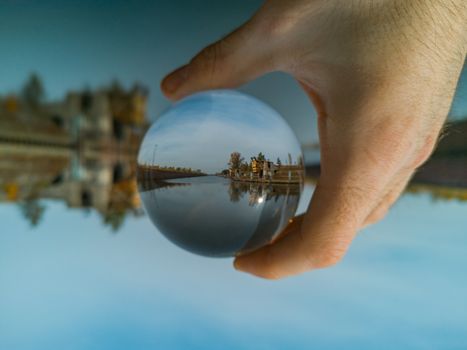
(220, 173)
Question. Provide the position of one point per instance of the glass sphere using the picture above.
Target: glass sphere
(220, 173)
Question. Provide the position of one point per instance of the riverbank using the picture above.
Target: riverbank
(157, 174)
(295, 181)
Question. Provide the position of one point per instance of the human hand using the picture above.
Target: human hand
(381, 75)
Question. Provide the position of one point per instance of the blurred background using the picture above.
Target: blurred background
(81, 267)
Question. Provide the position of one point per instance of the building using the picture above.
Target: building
(260, 169)
(80, 150)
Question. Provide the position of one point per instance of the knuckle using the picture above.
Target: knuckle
(424, 152)
(348, 197)
(381, 214)
(347, 216)
(382, 208)
(269, 26)
(278, 20)
(211, 58)
(329, 258)
(269, 274)
(331, 251)
(377, 216)
(392, 141)
(271, 32)
(395, 148)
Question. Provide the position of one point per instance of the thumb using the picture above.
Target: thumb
(322, 239)
(228, 63)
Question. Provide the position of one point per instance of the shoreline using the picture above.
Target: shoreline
(262, 181)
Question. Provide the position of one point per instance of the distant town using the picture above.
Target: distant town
(80, 150)
(261, 169)
(258, 169)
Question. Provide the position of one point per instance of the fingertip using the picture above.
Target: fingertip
(241, 263)
(236, 264)
(174, 81)
(168, 95)
(254, 264)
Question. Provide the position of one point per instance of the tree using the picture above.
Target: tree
(261, 157)
(245, 167)
(236, 161)
(116, 87)
(32, 211)
(278, 162)
(33, 91)
(235, 192)
(115, 219)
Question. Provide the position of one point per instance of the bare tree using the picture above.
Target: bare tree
(236, 161)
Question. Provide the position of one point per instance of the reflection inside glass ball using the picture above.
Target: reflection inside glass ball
(220, 173)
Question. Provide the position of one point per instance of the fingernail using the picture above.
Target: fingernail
(175, 79)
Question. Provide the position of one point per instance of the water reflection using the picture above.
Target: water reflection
(217, 216)
(80, 150)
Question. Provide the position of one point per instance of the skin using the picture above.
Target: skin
(381, 75)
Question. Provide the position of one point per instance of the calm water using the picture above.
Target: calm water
(214, 216)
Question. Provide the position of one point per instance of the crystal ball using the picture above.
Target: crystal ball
(220, 173)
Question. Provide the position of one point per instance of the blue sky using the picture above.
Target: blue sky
(202, 131)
